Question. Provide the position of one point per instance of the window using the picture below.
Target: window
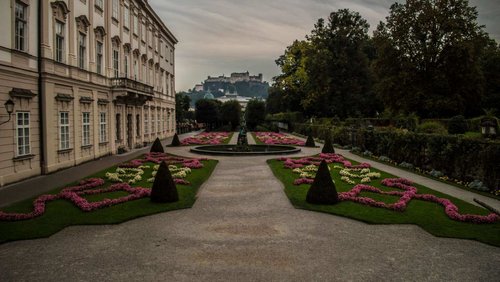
(102, 128)
(136, 25)
(81, 50)
(63, 130)
(23, 133)
(20, 26)
(158, 128)
(118, 127)
(136, 68)
(125, 63)
(59, 41)
(138, 125)
(98, 3)
(98, 53)
(116, 65)
(146, 126)
(152, 122)
(116, 7)
(126, 16)
(85, 129)
(144, 70)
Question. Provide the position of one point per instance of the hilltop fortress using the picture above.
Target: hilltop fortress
(236, 77)
(239, 83)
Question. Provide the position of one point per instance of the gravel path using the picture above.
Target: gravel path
(243, 228)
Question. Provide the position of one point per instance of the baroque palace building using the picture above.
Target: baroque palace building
(88, 78)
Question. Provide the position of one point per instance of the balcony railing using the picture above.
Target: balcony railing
(132, 85)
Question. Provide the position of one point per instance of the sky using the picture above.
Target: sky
(218, 37)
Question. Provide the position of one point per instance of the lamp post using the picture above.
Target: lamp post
(9, 106)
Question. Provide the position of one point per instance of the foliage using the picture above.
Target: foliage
(164, 189)
(175, 141)
(182, 104)
(157, 147)
(255, 113)
(457, 125)
(310, 141)
(428, 60)
(208, 112)
(231, 113)
(491, 71)
(431, 127)
(322, 190)
(328, 146)
(327, 74)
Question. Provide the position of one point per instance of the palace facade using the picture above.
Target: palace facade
(87, 77)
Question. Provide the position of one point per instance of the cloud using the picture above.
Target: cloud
(223, 36)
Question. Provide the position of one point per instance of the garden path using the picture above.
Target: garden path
(243, 228)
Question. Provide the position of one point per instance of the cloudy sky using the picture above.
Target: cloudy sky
(222, 36)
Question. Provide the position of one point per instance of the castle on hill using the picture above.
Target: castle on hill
(236, 77)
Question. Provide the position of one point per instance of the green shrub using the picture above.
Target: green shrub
(164, 189)
(310, 141)
(175, 141)
(431, 127)
(457, 125)
(157, 147)
(328, 147)
(322, 191)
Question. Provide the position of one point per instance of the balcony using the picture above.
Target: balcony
(131, 92)
(129, 85)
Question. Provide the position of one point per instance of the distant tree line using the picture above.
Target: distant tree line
(430, 57)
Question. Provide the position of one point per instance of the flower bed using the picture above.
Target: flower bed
(306, 168)
(208, 138)
(272, 138)
(123, 177)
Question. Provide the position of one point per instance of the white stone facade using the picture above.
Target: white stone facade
(88, 77)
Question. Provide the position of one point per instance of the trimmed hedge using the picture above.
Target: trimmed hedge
(455, 156)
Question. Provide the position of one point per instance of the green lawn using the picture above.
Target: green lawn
(61, 213)
(429, 216)
(257, 141)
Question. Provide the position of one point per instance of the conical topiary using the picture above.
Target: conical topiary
(157, 147)
(175, 141)
(164, 189)
(322, 191)
(328, 147)
(310, 142)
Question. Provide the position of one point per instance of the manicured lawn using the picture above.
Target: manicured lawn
(429, 216)
(257, 141)
(208, 138)
(62, 213)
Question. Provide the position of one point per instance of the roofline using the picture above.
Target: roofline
(159, 20)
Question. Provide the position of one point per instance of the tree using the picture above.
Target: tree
(491, 72)
(231, 113)
(157, 147)
(182, 104)
(429, 58)
(255, 113)
(207, 111)
(275, 102)
(337, 67)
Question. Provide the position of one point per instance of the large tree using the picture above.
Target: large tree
(337, 67)
(230, 112)
(428, 58)
(208, 112)
(182, 104)
(255, 113)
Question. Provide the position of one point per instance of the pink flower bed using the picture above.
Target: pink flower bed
(407, 194)
(272, 138)
(207, 138)
(86, 187)
(75, 194)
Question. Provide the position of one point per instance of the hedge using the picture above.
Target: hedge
(457, 157)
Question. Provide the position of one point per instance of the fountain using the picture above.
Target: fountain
(243, 149)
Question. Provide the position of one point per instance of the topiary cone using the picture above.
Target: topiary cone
(157, 147)
(164, 189)
(175, 141)
(322, 191)
(310, 142)
(328, 147)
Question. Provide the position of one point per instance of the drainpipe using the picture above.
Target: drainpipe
(40, 100)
